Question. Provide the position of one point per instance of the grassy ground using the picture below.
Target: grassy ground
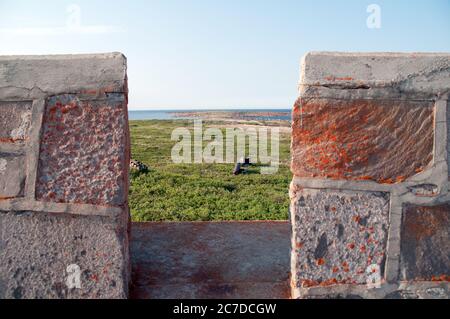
(194, 192)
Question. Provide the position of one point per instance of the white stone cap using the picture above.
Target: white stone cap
(43, 75)
(406, 72)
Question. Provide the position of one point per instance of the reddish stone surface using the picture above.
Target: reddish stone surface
(383, 141)
(425, 245)
(84, 151)
(210, 260)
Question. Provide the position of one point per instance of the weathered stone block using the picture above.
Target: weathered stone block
(83, 151)
(12, 175)
(425, 245)
(15, 118)
(383, 141)
(37, 248)
(375, 75)
(40, 76)
(337, 235)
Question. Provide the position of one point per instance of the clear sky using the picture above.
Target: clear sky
(217, 54)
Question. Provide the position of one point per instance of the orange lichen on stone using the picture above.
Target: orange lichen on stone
(400, 179)
(340, 247)
(386, 181)
(357, 219)
(320, 262)
(440, 278)
(306, 283)
(9, 140)
(5, 198)
(366, 178)
(383, 141)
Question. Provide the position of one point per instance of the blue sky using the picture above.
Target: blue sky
(217, 54)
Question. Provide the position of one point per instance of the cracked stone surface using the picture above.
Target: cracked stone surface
(15, 120)
(37, 248)
(338, 235)
(83, 151)
(12, 175)
(46, 75)
(384, 141)
(375, 75)
(425, 245)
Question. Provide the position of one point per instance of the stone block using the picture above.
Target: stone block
(383, 141)
(40, 76)
(37, 249)
(337, 235)
(425, 245)
(83, 151)
(375, 75)
(12, 175)
(15, 118)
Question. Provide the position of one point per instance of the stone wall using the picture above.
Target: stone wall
(64, 154)
(370, 201)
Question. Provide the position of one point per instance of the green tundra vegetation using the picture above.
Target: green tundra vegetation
(202, 192)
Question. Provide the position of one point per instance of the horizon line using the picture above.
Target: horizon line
(214, 108)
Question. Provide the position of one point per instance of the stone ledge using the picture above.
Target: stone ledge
(20, 204)
(230, 259)
(399, 76)
(31, 77)
(402, 290)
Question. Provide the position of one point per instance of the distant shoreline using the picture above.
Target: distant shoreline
(231, 114)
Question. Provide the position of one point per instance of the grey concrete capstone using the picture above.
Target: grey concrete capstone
(64, 220)
(40, 76)
(375, 75)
